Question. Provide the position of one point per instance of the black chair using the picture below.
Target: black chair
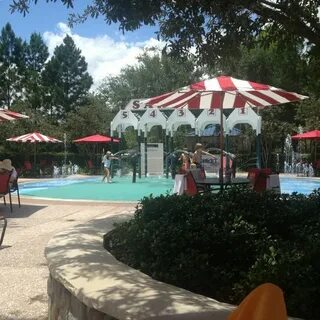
(14, 187)
(3, 228)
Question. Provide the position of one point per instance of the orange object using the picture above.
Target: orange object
(266, 302)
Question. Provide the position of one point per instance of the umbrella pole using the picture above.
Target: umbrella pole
(34, 158)
(221, 149)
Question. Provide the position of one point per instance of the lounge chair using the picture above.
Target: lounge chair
(90, 166)
(27, 166)
(194, 186)
(5, 187)
(258, 178)
(9, 186)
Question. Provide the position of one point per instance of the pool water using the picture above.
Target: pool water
(122, 189)
(301, 185)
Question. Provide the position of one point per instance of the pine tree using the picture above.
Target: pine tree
(11, 66)
(67, 79)
(35, 57)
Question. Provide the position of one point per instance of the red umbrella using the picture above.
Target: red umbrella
(223, 93)
(34, 137)
(97, 138)
(7, 115)
(310, 135)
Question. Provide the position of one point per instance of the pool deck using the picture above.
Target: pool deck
(23, 268)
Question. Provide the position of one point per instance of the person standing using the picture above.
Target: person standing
(106, 160)
(197, 156)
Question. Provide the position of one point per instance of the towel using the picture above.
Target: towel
(179, 184)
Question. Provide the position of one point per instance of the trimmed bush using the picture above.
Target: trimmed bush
(224, 245)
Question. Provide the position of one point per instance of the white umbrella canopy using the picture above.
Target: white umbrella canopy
(222, 93)
(8, 115)
(34, 138)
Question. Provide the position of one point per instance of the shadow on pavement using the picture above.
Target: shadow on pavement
(25, 211)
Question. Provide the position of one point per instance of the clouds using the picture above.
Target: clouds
(104, 55)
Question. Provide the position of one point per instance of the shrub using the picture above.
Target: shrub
(224, 245)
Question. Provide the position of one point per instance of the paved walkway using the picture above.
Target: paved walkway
(23, 269)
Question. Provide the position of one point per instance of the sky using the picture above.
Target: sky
(105, 48)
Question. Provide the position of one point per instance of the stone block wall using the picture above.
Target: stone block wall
(65, 306)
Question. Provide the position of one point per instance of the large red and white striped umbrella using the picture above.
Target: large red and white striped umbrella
(34, 137)
(223, 92)
(7, 115)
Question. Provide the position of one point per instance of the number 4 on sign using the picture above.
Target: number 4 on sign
(153, 113)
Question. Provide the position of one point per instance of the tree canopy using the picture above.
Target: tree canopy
(67, 69)
(212, 27)
(155, 74)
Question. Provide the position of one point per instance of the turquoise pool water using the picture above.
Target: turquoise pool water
(122, 189)
(300, 185)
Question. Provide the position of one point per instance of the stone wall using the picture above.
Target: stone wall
(87, 283)
(63, 305)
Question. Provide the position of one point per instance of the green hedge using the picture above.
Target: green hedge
(224, 245)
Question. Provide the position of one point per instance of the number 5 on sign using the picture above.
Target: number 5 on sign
(152, 113)
(124, 114)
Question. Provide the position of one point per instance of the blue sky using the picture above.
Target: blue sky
(45, 16)
(104, 46)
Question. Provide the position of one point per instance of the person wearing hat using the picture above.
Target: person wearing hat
(197, 155)
(106, 160)
(6, 167)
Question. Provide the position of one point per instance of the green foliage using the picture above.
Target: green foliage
(214, 28)
(155, 74)
(67, 70)
(11, 66)
(224, 245)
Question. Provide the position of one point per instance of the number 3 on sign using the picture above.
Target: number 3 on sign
(152, 113)
(181, 112)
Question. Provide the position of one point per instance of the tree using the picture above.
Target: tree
(36, 56)
(36, 53)
(11, 66)
(66, 79)
(155, 74)
(213, 27)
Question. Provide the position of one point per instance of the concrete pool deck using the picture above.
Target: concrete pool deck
(23, 267)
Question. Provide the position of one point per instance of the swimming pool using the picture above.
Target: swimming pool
(302, 185)
(122, 189)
